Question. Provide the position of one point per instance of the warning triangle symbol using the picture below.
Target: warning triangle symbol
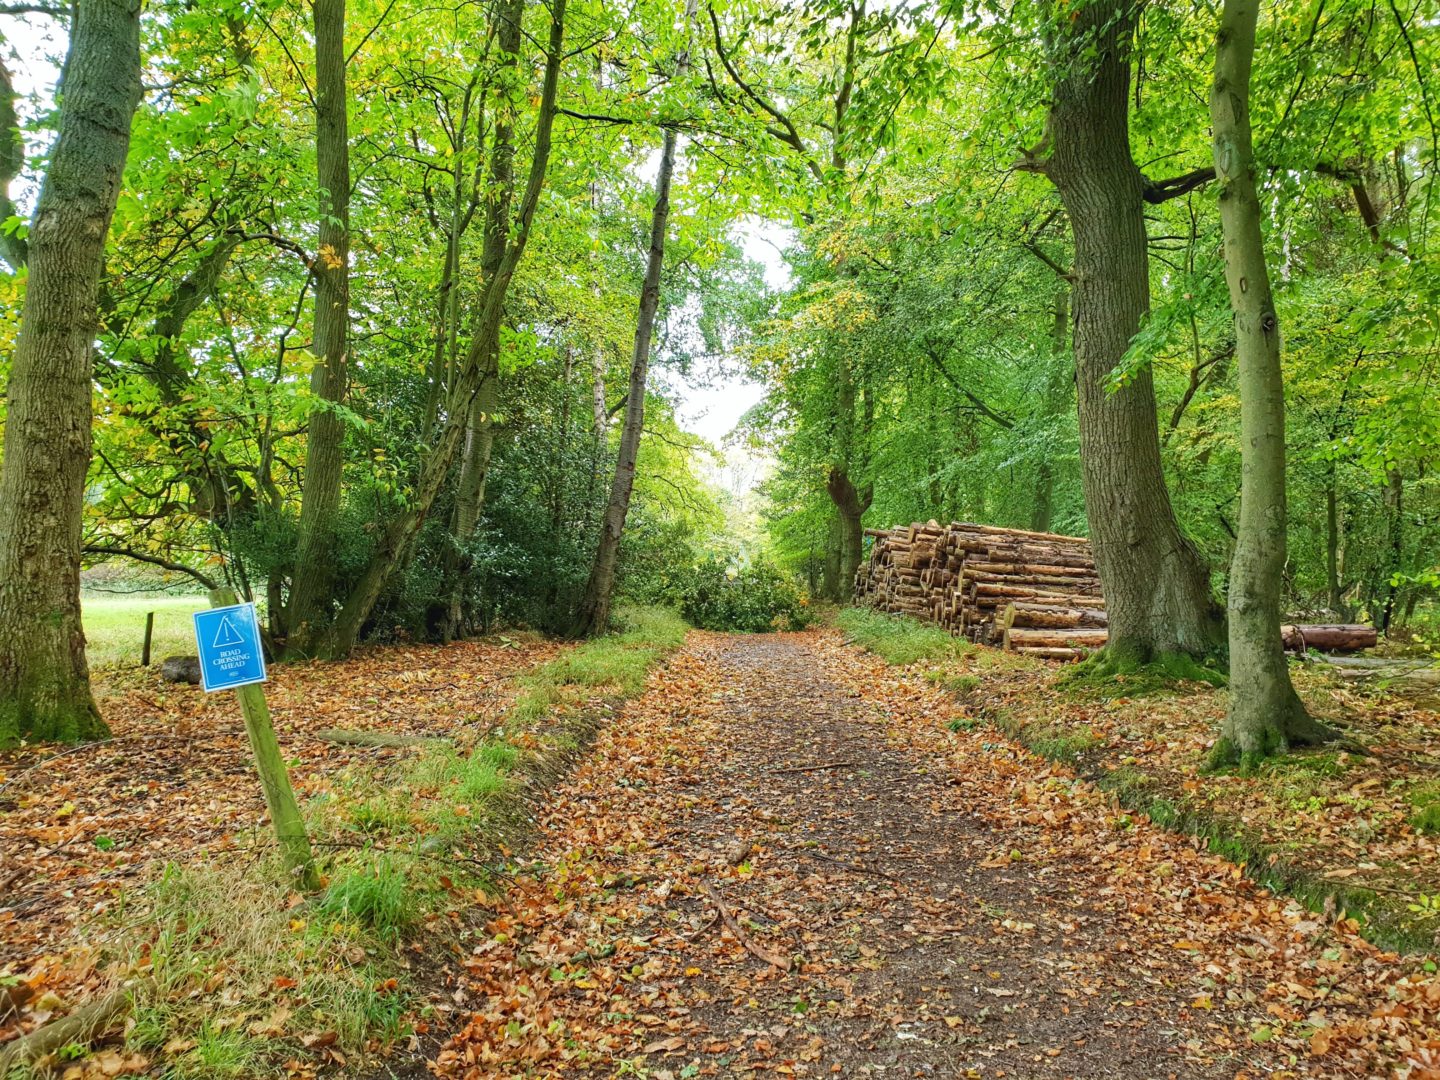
(227, 634)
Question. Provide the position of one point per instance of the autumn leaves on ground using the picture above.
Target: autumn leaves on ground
(780, 857)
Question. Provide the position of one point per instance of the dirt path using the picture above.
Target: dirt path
(899, 900)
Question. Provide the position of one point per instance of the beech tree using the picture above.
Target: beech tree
(1157, 584)
(311, 582)
(1265, 714)
(593, 616)
(44, 678)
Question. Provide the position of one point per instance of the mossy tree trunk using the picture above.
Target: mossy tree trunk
(312, 581)
(44, 679)
(850, 506)
(1265, 716)
(1157, 586)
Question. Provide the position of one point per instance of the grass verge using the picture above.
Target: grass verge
(898, 640)
(247, 975)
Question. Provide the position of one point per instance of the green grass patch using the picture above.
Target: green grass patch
(899, 640)
(1061, 744)
(115, 627)
(615, 664)
(1425, 798)
(381, 897)
(953, 681)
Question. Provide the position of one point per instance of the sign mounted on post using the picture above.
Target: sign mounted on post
(229, 642)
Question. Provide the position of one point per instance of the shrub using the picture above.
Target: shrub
(720, 594)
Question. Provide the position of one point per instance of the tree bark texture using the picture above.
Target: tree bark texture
(480, 428)
(594, 613)
(1265, 714)
(313, 579)
(1058, 382)
(44, 679)
(1156, 582)
(850, 505)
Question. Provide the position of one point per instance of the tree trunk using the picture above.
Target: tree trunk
(1265, 715)
(1395, 534)
(1334, 593)
(850, 504)
(1055, 396)
(469, 499)
(1156, 582)
(435, 467)
(830, 572)
(480, 427)
(44, 679)
(312, 582)
(594, 614)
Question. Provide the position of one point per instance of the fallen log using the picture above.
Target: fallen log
(1010, 569)
(1329, 637)
(999, 594)
(79, 1028)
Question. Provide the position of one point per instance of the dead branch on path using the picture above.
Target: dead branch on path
(858, 868)
(752, 947)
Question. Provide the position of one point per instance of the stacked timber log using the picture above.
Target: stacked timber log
(984, 582)
(1032, 592)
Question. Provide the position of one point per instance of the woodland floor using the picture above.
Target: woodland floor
(782, 860)
(81, 829)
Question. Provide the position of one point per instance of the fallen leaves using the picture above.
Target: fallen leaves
(84, 827)
(1076, 917)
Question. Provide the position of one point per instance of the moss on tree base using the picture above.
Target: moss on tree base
(1277, 736)
(62, 722)
(1134, 671)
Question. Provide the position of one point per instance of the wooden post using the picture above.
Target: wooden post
(149, 634)
(274, 778)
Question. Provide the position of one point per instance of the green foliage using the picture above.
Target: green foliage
(898, 640)
(723, 593)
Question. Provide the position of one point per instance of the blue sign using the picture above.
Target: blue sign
(229, 642)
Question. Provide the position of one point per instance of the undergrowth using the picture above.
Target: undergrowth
(899, 640)
(243, 972)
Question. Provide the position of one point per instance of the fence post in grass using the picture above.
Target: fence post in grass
(149, 634)
(231, 658)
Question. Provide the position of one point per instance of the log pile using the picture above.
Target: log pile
(987, 583)
(1031, 592)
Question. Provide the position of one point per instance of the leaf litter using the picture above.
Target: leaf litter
(81, 829)
(781, 860)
